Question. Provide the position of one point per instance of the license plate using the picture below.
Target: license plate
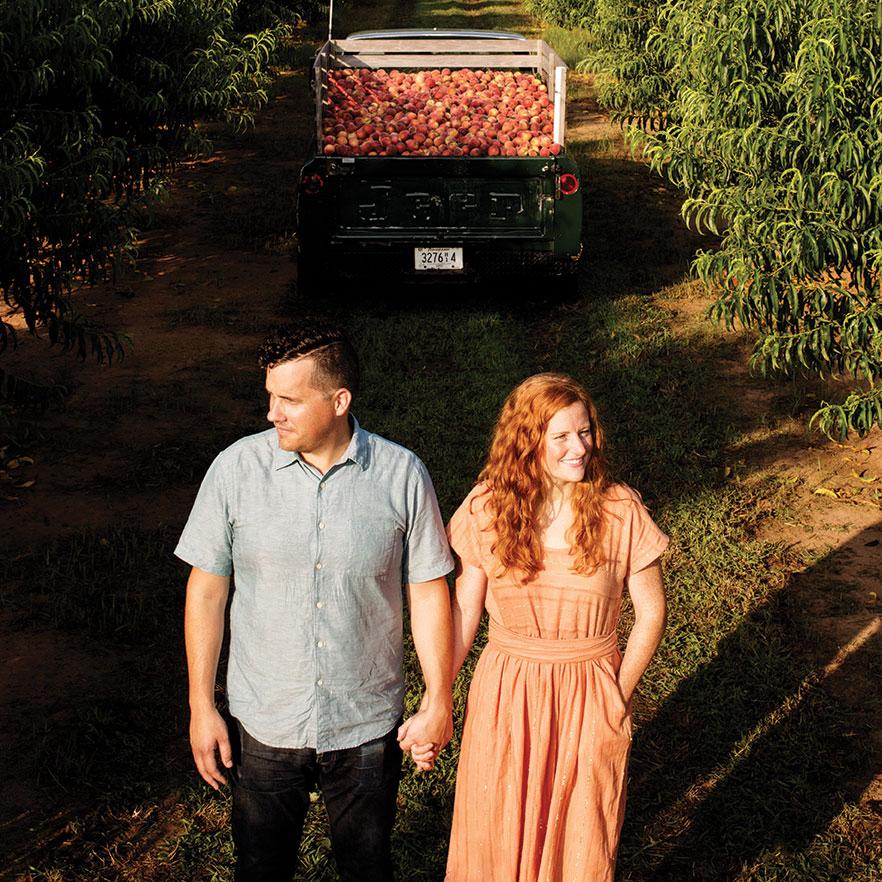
(437, 258)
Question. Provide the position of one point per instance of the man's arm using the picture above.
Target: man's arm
(650, 616)
(203, 635)
(429, 604)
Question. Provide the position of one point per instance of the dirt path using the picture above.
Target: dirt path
(833, 518)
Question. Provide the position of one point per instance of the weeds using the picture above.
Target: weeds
(571, 44)
(92, 750)
(122, 582)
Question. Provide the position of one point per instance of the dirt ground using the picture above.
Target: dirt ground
(833, 518)
(196, 304)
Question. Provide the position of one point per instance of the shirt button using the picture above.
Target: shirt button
(319, 682)
(320, 644)
(319, 604)
(321, 525)
(318, 566)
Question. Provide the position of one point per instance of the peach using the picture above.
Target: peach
(452, 112)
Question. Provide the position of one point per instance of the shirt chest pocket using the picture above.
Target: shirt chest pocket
(369, 547)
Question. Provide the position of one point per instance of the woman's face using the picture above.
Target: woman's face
(567, 444)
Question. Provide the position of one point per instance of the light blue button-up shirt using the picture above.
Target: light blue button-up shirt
(316, 634)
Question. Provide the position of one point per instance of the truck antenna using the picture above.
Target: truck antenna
(330, 20)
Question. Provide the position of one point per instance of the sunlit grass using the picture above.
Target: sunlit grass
(571, 44)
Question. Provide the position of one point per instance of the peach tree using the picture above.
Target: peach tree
(632, 80)
(97, 98)
(768, 115)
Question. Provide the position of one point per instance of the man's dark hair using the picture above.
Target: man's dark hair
(336, 363)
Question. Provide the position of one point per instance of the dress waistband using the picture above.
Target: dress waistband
(548, 650)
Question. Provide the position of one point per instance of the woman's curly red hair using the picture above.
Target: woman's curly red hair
(516, 480)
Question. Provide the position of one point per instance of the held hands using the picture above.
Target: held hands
(208, 738)
(424, 756)
(425, 734)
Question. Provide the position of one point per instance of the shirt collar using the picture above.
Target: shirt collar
(357, 451)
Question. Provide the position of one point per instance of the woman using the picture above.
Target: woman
(547, 543)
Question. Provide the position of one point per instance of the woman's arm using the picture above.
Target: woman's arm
(468, 604)
(650, 615)
(466, 609)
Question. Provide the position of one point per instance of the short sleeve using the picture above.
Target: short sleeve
(647, 541)
(463, 531)
(426, 552)
(207, 540)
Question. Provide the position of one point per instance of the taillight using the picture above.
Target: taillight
(568, 184)
(311, 184)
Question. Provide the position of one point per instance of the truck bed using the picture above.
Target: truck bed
(430, 53)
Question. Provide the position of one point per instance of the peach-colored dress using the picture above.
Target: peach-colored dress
(540, 789)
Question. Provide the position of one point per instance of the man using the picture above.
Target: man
(321, 523)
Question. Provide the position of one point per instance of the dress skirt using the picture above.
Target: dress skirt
(540, 791)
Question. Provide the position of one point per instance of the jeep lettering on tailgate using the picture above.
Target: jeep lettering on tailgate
(505, 206)
(373, 207)
(480, 205)
(425, 208)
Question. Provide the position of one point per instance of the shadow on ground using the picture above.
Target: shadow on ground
(759, 751)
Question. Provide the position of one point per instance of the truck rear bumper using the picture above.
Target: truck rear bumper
(480, 261)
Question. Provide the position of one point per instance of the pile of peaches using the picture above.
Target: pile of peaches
(465, 112)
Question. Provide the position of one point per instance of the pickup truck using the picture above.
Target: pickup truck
(367, 209)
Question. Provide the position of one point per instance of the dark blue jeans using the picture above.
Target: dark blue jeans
(271, 788)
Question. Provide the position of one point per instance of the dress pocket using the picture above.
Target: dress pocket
(620, 712)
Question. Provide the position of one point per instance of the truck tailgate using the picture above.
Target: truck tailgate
(408, 198)
(461, 208)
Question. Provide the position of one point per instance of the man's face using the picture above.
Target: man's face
(303, 415)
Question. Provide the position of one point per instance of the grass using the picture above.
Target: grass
(75, 756)
(571, 44)
(120, 583)
(744, 767)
